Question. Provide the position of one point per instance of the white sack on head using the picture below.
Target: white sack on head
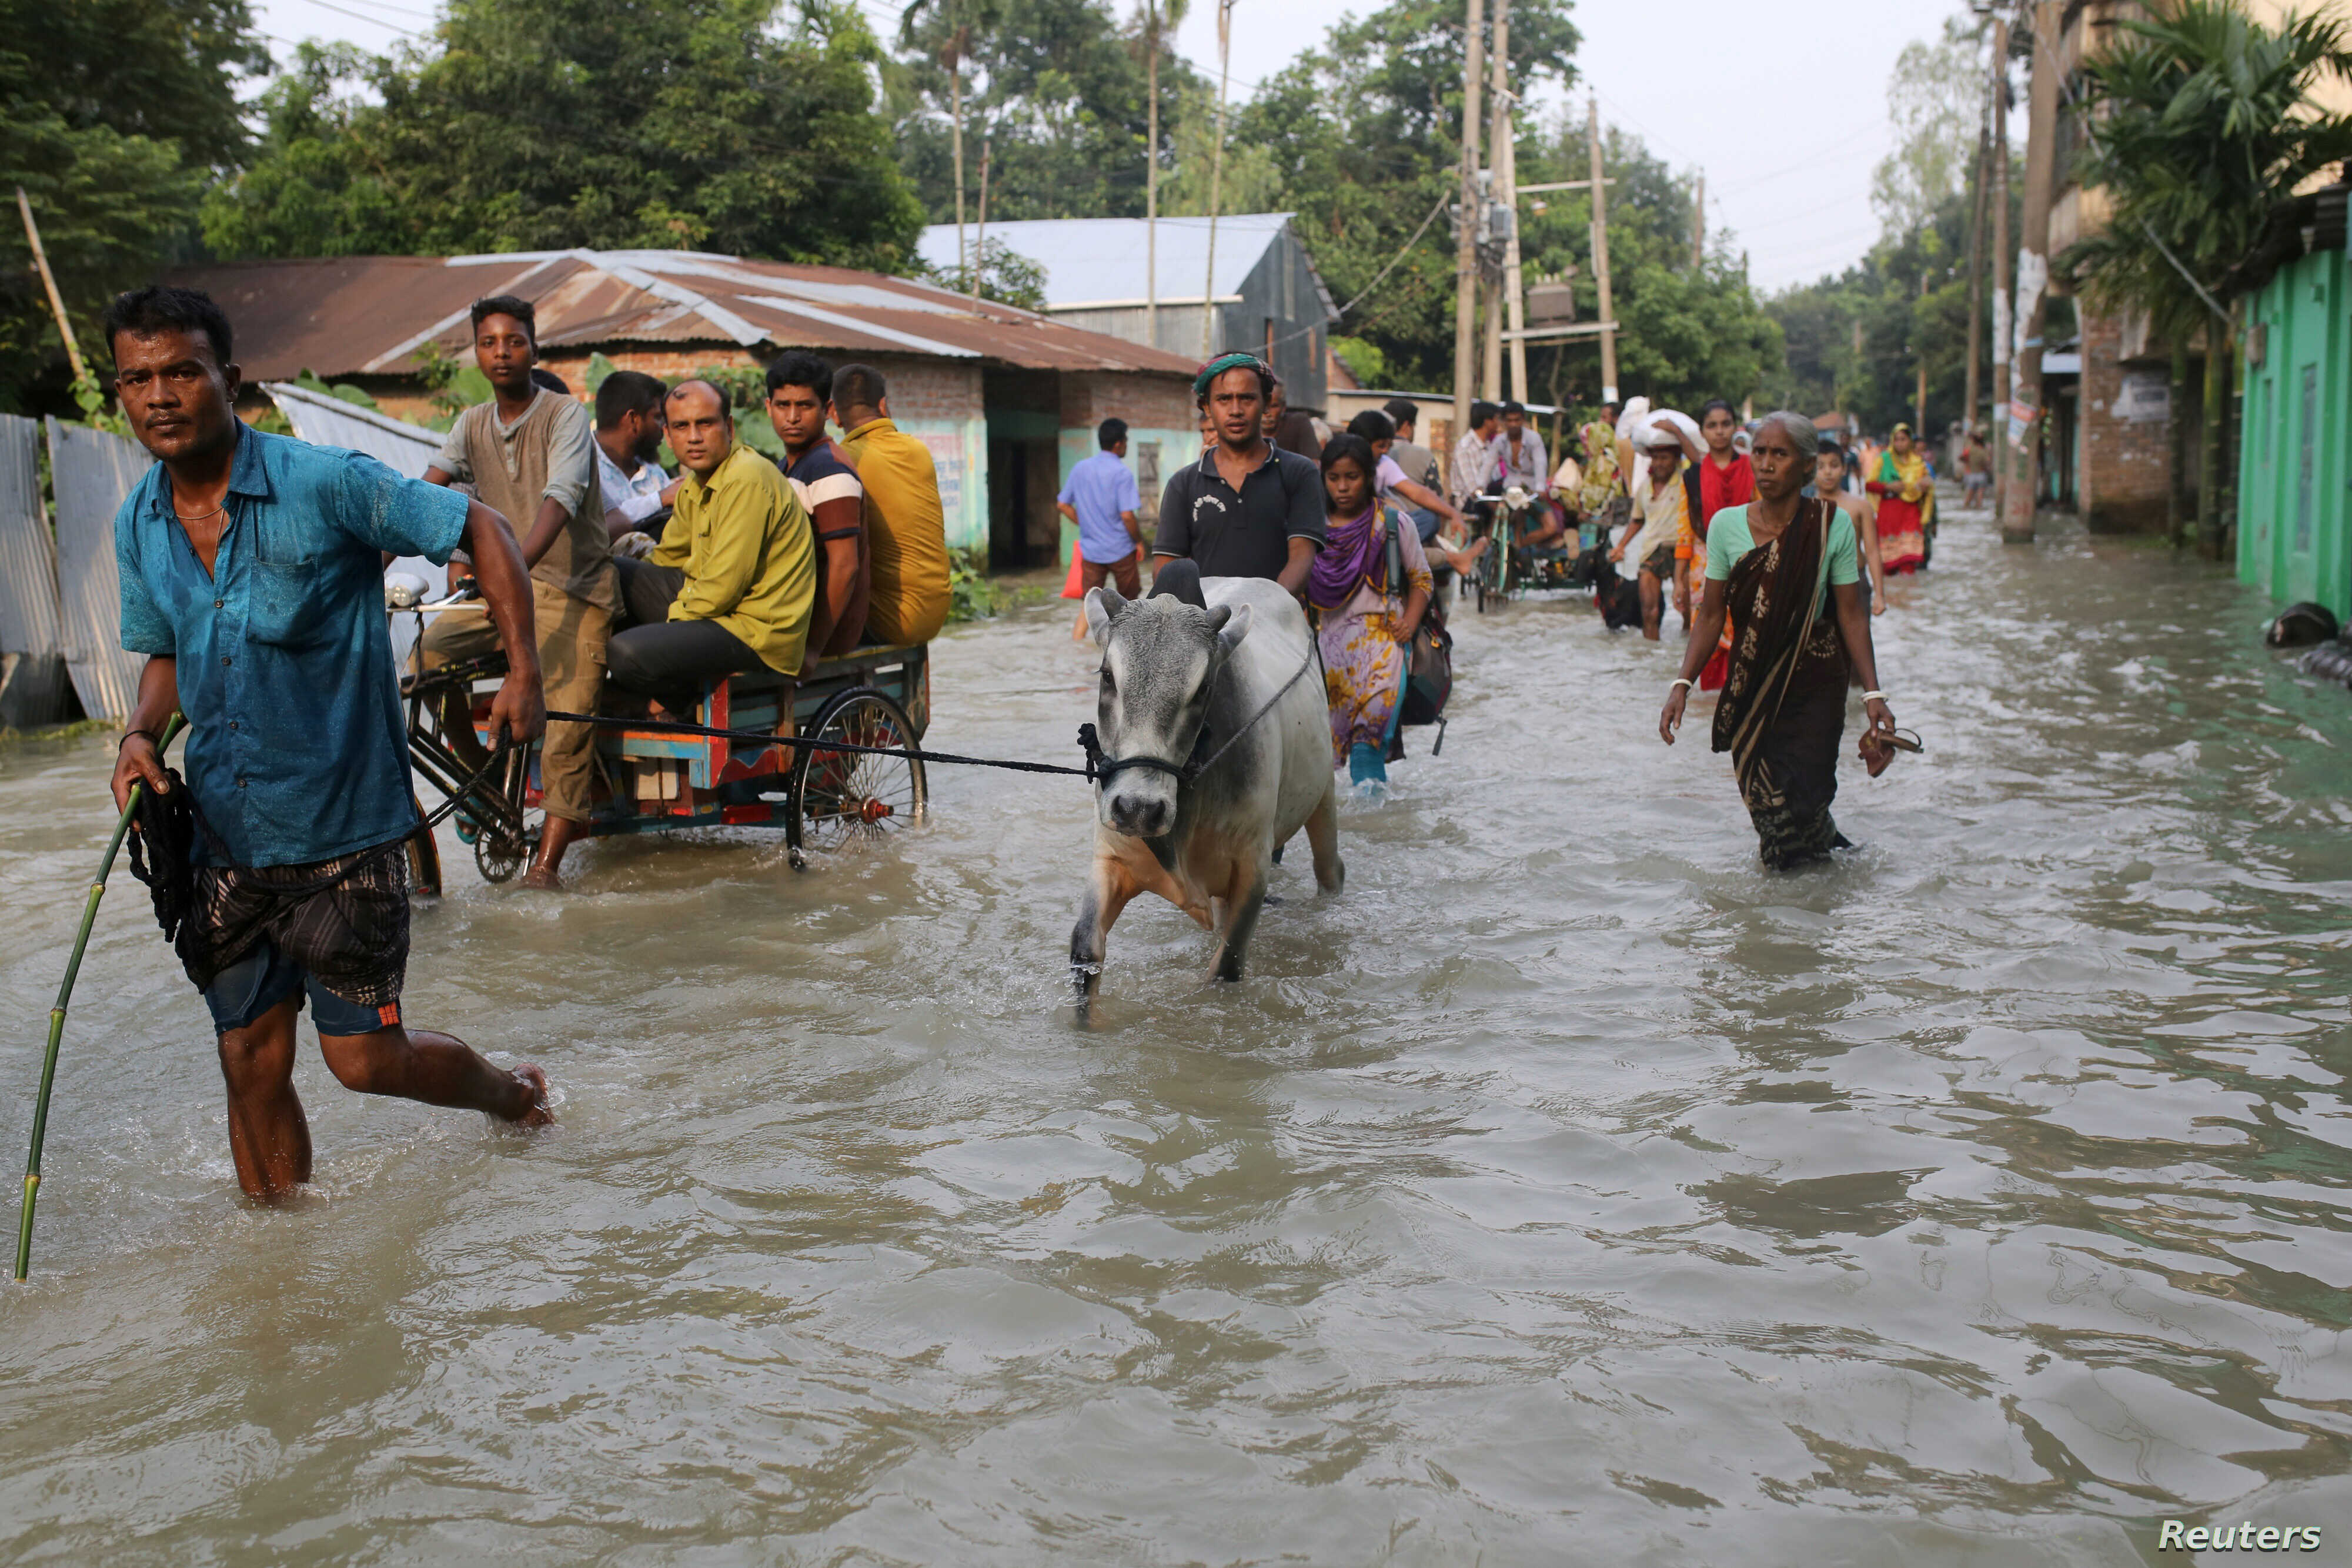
(1636, 410)
(1659, 429)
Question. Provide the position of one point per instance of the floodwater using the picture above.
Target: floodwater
(1567, 1190)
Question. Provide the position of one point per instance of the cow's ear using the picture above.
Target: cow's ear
(1103, 607)
(1231, 626)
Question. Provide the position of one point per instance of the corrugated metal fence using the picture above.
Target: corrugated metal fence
(32, 672)
(91, 472)
(60, 595)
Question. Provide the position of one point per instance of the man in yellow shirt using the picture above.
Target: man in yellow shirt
(906, 526)
(730, 586)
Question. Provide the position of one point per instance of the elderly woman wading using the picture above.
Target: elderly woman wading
(1369, 589)
(1787, 569)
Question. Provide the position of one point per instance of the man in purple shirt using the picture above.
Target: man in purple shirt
(1101, 497)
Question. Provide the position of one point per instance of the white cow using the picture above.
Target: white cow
(1233, 681)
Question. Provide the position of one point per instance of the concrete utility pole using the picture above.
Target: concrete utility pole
(1505, 160)
(1919, 417)
(1154, 14)
(980, 235)
(1465, 238)
(2000, 302)
(1976, 275)
(1217, 175)
(2033, 278)
(1600, 252)
(1698, 225)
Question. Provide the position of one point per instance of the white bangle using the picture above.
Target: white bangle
(1874, 697)
(1681, 682)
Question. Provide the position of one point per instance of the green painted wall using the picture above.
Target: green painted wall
(2294, 511)
(959, 448)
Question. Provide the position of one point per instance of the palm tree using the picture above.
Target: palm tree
(1159, 16)
(953, 21)
(2198, 122)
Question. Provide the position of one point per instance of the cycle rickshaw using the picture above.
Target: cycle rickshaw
(652, 780)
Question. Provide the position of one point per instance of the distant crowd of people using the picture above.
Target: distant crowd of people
(1718, 519)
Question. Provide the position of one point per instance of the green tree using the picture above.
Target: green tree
(2199, 123)
(539, 124)
(115, 111)
(1058, 91)
(1935, 97)
(1363, 137)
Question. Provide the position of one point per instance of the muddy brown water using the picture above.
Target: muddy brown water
(1565, 1190)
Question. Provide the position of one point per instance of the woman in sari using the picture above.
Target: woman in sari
(1603, 476)
(1787, 569)
(1364, 620)
(1906, 487)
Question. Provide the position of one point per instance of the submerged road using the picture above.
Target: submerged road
(1567, 1190)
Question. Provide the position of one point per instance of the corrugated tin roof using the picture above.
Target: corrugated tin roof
(324, 421)
(1100, 261)
(369, 315)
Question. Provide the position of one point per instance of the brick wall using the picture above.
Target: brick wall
(2126, 463)
(1152, 402)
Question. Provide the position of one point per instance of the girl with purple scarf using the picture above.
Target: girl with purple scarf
(1363, 620)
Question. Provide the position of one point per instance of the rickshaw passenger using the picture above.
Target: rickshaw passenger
(530, 454)
(799, 385)
(628, 446)
(730, 586)
(906, 526)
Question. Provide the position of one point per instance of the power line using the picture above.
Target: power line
(372, 21)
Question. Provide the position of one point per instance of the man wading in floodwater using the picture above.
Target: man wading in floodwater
(1247, 508)
(252, 570)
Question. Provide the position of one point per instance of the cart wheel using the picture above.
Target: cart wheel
(846, 799)
(424, 861)
(498, 854)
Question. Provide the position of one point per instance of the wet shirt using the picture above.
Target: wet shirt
(296, 750)
(1243, 533)
(1099, 489)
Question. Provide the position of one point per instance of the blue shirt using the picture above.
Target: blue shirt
(1100, 488)
(296, 751)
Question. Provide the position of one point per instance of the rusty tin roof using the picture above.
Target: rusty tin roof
(369, 315)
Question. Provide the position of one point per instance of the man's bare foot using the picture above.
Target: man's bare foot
(543, 878)
(537, 1114)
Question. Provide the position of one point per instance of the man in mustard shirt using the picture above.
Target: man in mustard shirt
(730, 586)
(906, 526)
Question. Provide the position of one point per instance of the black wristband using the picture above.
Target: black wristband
(128, 734)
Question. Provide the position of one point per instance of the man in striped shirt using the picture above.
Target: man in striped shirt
(799, 385)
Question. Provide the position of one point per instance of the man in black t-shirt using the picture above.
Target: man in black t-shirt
(1247, 508)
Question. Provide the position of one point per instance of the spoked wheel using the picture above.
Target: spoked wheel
(500, 850)
(851, 800)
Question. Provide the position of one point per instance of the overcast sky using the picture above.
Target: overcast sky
(1788, 116)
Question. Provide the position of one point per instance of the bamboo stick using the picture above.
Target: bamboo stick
(58, 1015)
(56, 304)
